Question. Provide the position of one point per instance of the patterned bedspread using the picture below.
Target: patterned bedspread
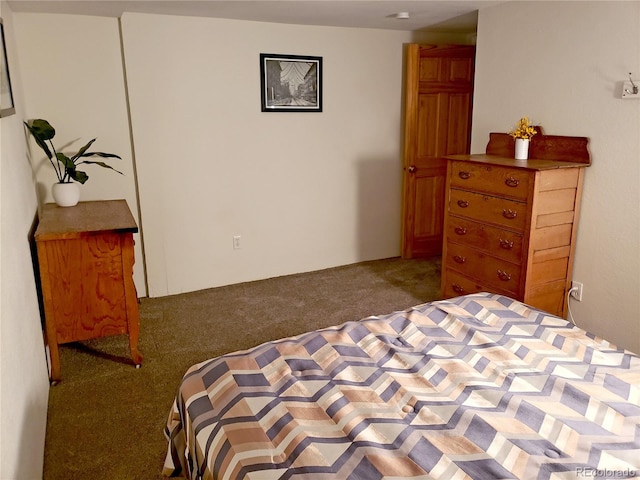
(476, 387)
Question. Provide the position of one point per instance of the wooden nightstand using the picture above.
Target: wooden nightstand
(86, 258)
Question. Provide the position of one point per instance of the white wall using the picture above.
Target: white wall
(562, 64)
(304, 190)
(73, 77)
(210, 164)
(24, 383)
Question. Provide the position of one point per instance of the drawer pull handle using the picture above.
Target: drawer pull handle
(459, 259)
(463, 203)
(464, 175)
(504, 276)
(457, 288)
(512, 182)
(510, 214)
(460, 230)
(506, 244)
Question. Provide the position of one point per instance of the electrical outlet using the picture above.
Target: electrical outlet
(236, 242)
(576, 290)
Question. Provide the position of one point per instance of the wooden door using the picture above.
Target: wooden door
(438, 103)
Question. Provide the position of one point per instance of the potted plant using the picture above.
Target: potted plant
(522, 134)
(65, 192)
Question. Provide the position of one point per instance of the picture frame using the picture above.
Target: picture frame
(290, 83)
(7, 106)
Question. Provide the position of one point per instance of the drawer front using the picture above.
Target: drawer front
(456, 284)
(490, 270)
(496, 180)
(500, 243)
(489, 209)
(87, 287)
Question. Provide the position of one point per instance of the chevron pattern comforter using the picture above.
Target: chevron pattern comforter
(476, 387)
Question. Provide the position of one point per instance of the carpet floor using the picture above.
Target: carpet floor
(106, 418)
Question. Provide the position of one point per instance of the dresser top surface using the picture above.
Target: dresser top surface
(530, 164)
(546, 152)
(85, 218)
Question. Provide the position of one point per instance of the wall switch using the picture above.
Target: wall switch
(576, 290)
(236, 242)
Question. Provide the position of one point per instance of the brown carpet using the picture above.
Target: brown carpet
(106, 418)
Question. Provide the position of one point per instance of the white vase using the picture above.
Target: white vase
(522, 148)
(66, 194)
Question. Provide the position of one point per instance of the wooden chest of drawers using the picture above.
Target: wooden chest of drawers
(510, 228)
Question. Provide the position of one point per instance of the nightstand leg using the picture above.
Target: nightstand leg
(136, 356)
(51, 333)
(133, 325)
(131, 298)
(54, 357)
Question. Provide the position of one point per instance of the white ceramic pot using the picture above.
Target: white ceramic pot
(66, 194)
(522, 148)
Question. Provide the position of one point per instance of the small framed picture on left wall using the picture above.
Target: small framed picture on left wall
(6, 94)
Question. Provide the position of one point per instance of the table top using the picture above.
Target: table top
(102, 216)
(530, 164)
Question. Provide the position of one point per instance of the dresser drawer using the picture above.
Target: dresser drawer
(476, 264)
(510, 182)
(500, 243)
(456, 284)
(489, 209)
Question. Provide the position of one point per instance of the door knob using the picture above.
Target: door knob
(412, 169)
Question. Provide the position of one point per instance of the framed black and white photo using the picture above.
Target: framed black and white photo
(290, 83)
(6, 95)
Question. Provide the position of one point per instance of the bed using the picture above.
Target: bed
(475, 387)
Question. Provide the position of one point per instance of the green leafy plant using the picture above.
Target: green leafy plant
(64, 166)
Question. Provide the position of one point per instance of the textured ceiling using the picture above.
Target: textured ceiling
(442, 15)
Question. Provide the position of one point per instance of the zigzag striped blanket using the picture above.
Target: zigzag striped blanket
(476, 387)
